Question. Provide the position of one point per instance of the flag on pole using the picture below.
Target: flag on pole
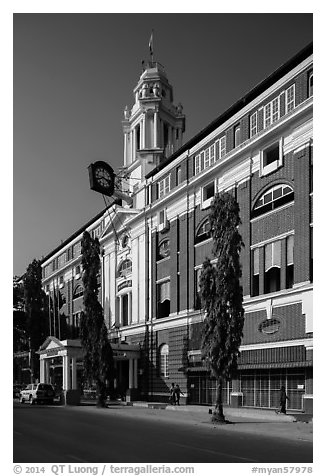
(151, 43)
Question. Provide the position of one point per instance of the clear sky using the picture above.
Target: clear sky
(75, 73)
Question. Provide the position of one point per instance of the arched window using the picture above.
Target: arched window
(273, 198)
(79, 291)
(164, 249)
(125, 268)
(203, 232)
(164, 360)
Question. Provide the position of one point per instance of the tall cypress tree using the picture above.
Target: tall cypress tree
(221, 295)
(98, 359)
(37, 327)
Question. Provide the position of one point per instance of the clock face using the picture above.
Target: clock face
(102, 177)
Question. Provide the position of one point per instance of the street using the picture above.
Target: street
(54, 434)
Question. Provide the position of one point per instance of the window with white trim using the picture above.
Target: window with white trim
(253, 124)
(204, 231)
(289, 261)
(275, 109)
(62, 259)
(272, 278)
(164, 360)
(222, 147)
(207, 194)
(289, 99)
(255, 272)
(267, 115)
(164, 186)
(237, 135)
(125, 268)
(271, 158)
(310, 84)
(76, 249)
(273, 198)
(163, 299)
(79, 291)
(198, 166)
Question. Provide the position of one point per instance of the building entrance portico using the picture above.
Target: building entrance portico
(60, 362)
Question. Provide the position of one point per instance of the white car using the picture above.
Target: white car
(37, 393)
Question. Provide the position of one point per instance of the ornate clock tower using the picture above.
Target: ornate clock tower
(153, 128)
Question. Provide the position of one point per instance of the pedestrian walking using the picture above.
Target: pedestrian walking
(172, 394)
(177, 392)
(283, 399)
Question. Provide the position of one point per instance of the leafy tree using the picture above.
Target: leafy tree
(20, 341)
(36, 311)
(221, 295)
(98, 359)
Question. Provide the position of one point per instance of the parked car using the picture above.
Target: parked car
(37, 393)
(17, 389)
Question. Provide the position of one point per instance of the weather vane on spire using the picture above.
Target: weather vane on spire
(151, 45)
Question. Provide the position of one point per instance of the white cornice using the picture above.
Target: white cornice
(272, 345)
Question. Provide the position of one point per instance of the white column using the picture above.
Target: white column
(42, 370)
(125, 151)
(155, 129)
(120, 311)
(74, 373)
(131, 371)
(129, 308)
(143, 133)
(47, 371)
(64, 373)
(135, 373)
(68, 373)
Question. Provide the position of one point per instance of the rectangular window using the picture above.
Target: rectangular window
(163, 299)
(271, 158)
(197, 164)
(310, 84)
(77, 249)
(255, 272)
(289, 261)
(311, 253)
(212, 154)
(178, 175)
(197, 289)
(222, 147)
(271, 154)
(237, 134)
(275, 110)
(206, 159)
(289, 99)
(267, 115)
(253, 124)
(272, 276)
(217, 150)
(164, 187)
(208, 192)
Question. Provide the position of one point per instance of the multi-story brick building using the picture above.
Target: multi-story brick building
(154, 244)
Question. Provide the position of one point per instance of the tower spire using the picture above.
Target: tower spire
(151, 46)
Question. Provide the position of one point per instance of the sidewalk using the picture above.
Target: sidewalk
(243, 412)
(246, 421)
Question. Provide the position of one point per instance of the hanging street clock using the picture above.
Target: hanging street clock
(101, 178)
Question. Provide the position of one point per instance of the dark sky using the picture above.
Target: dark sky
(73, 76)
